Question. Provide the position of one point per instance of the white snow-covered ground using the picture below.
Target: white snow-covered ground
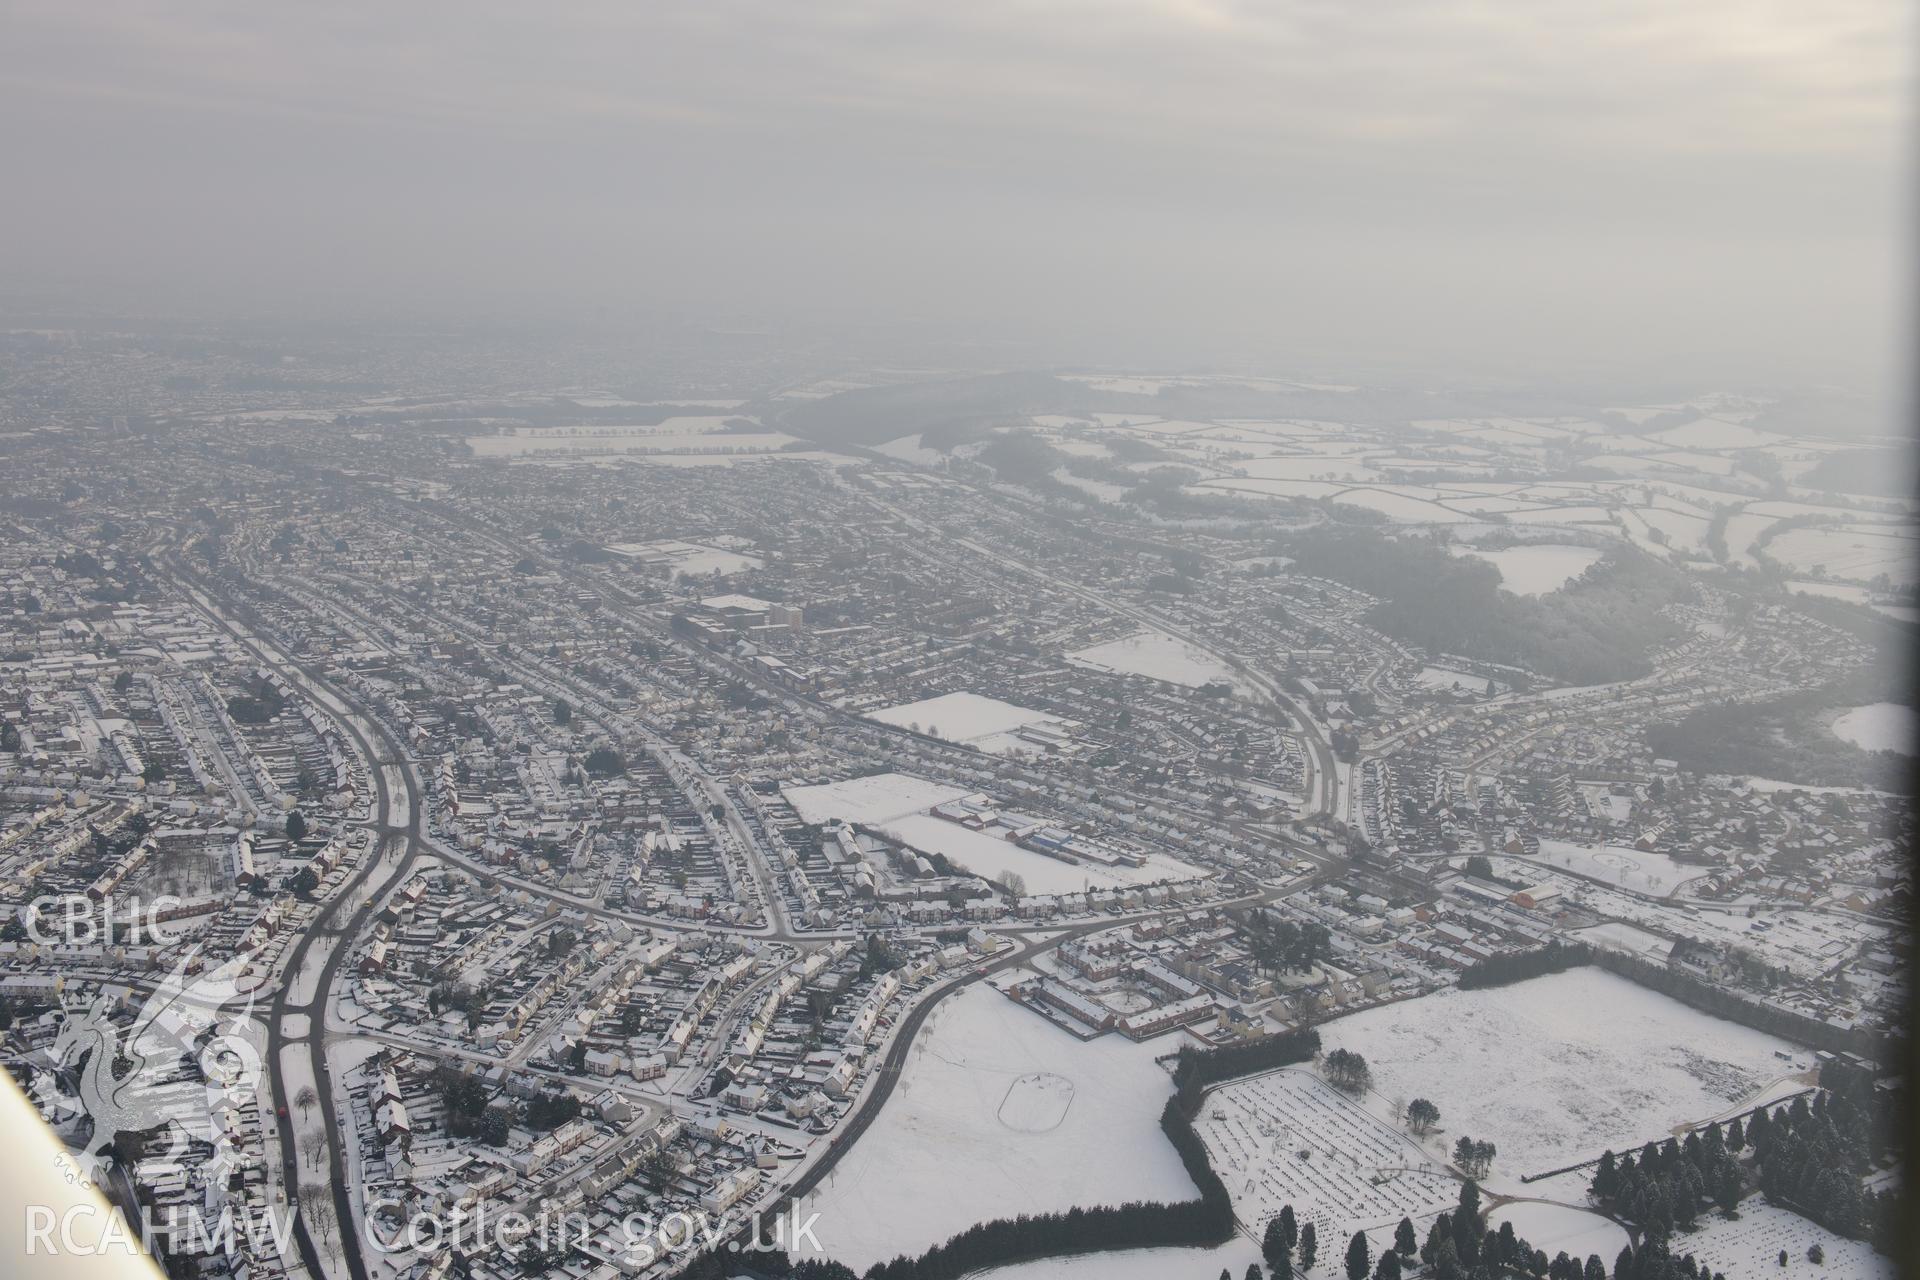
(1714, 433)
(1624, 937)
(1856, 552)
(1560, 1068)
(1879, 726)
(943, 1155)
(878, 798)
(1750, 1247)
(1443, 678)
(305, 984)
(1400, 506)
(986, 724)
(1537, 570)
(1094, 488)
(1621, 865)
(1154, 654)
(1288, 1137)
(1138, 1264)
(296, 1074)
(1554, 1227)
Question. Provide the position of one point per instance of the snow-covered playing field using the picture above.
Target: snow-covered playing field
(986, 724)
(1559, 1069)
(880, 797)
(999, 1112)
(1154, 654)
(1629, 868)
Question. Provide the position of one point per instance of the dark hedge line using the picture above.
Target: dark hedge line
(1502, 970)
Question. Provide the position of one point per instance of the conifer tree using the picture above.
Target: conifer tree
(1359, 1257)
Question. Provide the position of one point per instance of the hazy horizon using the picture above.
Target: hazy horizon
(1605, 190)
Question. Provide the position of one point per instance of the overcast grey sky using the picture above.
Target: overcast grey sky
(1653, 185)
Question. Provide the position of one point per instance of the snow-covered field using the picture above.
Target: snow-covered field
(1621, 865)
(969, 1133)
(1094, 488)
(1137, 1264)
(1154, 654)
(1554, 1227)
(1269, 488)
(1444, 678)
(878, 798)
(1540, 569)
(1879, 726)
(1714, 433)
(1400, 506)
(1854, 552)
(1288, 1137)
(1311, 467)
(1624, 937)
(1657, 490)
(1037, 1102)
(1558, 1069)
(986, 724)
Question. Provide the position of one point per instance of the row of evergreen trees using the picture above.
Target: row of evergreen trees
(1517, 966)
(1284, 1234)
(1668, 1185)
(1809, 1156)
(1458, 1247)
(1198, 1068)
(1505, 1255)
(1654, 1260)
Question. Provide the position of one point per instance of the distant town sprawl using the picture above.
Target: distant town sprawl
(655, 806)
